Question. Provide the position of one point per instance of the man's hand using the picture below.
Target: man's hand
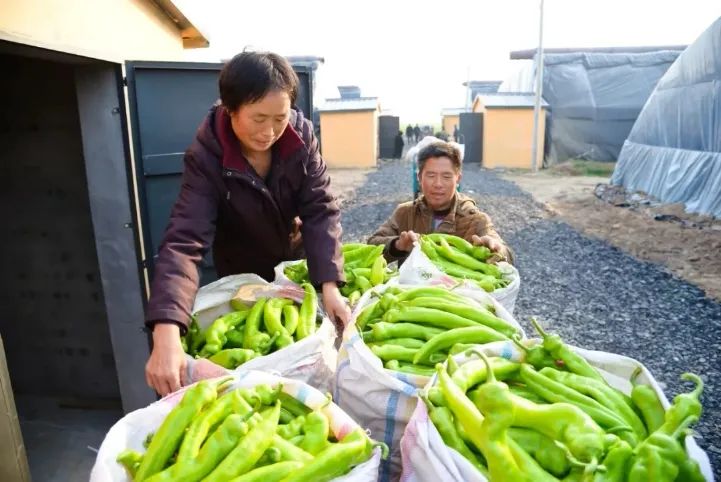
(405, 241)
(165, 369)
(491, 243)
(334, 304)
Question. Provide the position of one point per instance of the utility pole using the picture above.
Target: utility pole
(539, 93)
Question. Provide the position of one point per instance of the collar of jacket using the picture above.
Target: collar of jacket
(425, 210)
(233, 158)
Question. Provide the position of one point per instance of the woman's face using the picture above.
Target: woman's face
(258, 125)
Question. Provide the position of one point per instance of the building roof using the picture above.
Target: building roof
(192, 37)
(510, 100)
(348, 105)
(453, 111)
(529, 54)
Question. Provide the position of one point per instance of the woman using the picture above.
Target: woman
(253, 178)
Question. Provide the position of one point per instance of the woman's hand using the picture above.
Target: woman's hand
(334, 304)
(165, 369)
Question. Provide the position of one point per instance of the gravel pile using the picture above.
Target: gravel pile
(589, 292)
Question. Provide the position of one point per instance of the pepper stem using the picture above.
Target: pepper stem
(683, 426)
(636, 373)
(588, 467)
(384, 449)
(490, 376)
(539, 328)
(692, 377)
(516, 339)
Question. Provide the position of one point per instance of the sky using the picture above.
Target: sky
(415, 55)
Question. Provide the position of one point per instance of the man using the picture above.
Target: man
(440, 208)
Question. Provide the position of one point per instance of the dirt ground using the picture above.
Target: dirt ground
(345, 181)
(690, 253)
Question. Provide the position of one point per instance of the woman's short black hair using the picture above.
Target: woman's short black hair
(440, 149)
(249, 76)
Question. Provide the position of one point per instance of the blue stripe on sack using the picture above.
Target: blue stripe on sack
(341, 366)
(302, 393)
(408, 388)
(390, 428)
(507, 351)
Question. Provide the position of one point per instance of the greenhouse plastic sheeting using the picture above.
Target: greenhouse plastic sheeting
(594, 99)
(674, 150)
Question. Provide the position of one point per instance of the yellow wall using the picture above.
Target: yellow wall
(349, 139)
(449, 121)
(507, 138)
(114, 30)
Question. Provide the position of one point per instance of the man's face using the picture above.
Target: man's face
(439, 180)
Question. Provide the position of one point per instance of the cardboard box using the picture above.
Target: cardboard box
(13, 460)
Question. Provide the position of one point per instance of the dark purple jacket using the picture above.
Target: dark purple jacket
(248, 221)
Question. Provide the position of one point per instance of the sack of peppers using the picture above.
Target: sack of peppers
(243, 321)
(363, 264)
(398, 335)
(549, 416)
(255, 427)
(452, 261)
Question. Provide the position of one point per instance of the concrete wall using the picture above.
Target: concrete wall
(449, 122)
(114, 30)
(53, 316)
(507, 138)
(350, 139)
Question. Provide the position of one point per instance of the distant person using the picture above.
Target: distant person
(409, 133)
(456, 133)
(439, 209)
(398, 151)
(417, 132)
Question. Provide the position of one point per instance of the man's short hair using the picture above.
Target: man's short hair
(439, 149)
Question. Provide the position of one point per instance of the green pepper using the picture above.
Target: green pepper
(573, 362)
(370, 258)
(563, 422)
(289, 451)
(369, 312)
(690, 471)
(131, 460)
(356, 257)
(473, 334)
(542, 449)
(393, 352)
(270, 473)
(537, 355)
(335, 460)
(459, 348)
(428, 292)
(215, 334)
(208, 418)
(354, 297)
(263, 394)
(603, 394)
(168, 437)
(481, 253)
(234, 338)
(291, 316)
(455, 241)
(293, 405)
(660, 456)
(398, 366)
(648, 403)
(249, 449)
(292, 429)
(466, 310)
(270, 456)
(232, 358)
(525, 392)
(556, 392)
(272, 319)
(684, 405)
(442, 419)
(253, 338)
(406, 342)
(386, 331)
(316, 430)
(616, 463)
(308, 312)
(197, 337)
(214, 450)
(466, 261)
(474, 372)
(427, 316)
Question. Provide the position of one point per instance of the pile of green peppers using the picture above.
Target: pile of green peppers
(462, 261)
(554, 418)
(249, 332)
(245, 435)
(364, 267)
(411, 330)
